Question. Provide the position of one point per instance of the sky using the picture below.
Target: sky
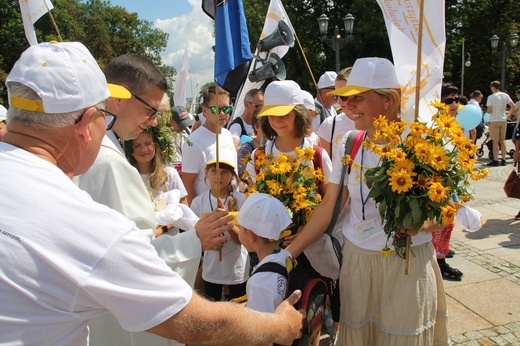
(188, 27)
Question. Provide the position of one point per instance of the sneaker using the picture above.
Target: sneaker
(450, 254)
(493, 163)
(503, 163)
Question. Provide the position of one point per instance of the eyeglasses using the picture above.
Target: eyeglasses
(450, 100)
(154, 110)
(254, 105)
(225, 109)
(110, 118)
(343, 98)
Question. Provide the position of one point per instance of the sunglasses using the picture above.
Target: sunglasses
(450, 100)
(343, 98)
(254, 105)
(110, 118)
(225, 109)
(154, 110)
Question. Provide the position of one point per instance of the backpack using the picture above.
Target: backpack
(239, 121)
(480, 130)
(312, 301)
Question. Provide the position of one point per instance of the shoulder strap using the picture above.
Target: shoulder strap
(352, 145)
(272, 267)
(332, 135)
(239, 121)
(318, 152)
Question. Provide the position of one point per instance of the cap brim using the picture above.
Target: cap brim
(349, 90)
(220, 161)
(118, 91)
(276, 110)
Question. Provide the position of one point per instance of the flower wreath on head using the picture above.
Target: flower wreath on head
(163, 135)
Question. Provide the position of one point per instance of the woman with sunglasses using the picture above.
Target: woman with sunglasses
(333, 128)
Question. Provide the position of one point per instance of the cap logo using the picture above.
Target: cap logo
(45, 64)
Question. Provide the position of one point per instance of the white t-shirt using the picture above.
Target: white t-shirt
(498, 101)
(342, 126)
(236, 129)
(79, 260)
(195, 156)
(234, 266)
(266, 290)
(173, 181)
(270, 148)
(352, 227)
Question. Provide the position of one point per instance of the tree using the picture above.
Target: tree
(107, 31)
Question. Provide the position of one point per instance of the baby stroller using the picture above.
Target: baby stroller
(489, 143)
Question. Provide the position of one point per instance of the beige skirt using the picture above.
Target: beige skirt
(380, 305)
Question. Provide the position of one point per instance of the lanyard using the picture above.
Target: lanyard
(211, 203)
(272, 145)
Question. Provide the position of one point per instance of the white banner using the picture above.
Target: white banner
(275, 13)
(179, 96)
(31, 11)
(402, 23)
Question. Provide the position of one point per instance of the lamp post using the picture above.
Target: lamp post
(465, 63)
(336, 42)
(513, 42)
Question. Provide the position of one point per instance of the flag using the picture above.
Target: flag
(402, 24)
(195, 98)
(275, 13)
(31, 11)
(179, 96)
(232, 50)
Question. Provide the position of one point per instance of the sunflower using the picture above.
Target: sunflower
(437, 192)
(400, 181)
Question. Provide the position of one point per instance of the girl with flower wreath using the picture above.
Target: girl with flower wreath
(230, 265)
(380, 304)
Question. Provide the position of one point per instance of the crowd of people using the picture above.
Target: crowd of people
(85, 159)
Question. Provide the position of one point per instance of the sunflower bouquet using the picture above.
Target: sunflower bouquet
(289, 179)
(419, 173)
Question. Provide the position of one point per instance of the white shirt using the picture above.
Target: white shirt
(196, 154)
(266, 290)
(233, 267)
(374, 240)
(79, 260)
(173, 181)
(498, 101)
(236, 129)
(342, 126)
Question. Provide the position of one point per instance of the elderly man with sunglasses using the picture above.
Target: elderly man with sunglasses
(202, 143)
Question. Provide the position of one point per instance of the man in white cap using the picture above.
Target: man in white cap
(81, 259)
(3, 124)
(324, 102)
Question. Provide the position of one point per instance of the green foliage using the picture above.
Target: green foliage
(107, 31)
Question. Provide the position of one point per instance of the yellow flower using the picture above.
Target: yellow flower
(397, 155)
(346, 160)
(386, 252)
(275, 188)
(423, 182)
(401, 181)
(309, 154)
(439, 160)
(448, 214)
(437, 192)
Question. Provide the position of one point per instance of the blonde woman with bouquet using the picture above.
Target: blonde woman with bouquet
(380, 304)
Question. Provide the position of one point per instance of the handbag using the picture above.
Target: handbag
(512, 185)
(325, 253)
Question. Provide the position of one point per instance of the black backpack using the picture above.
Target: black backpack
(314, 293)
(238, 120)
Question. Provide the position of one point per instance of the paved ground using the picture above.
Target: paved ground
(484, 308)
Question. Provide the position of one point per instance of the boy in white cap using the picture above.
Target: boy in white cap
(324, 101)
(261, 221)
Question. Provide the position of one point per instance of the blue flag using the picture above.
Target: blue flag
(232, 50)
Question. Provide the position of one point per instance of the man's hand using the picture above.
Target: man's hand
(211, 229)
(292, 319)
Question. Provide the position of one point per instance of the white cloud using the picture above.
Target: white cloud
(194, 31)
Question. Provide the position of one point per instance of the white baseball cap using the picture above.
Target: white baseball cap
(368, 74)
(327, 80)
(280, 97)
(264, 215)
(226, 155)
(3, 113)
(308, 100)
(65, 76)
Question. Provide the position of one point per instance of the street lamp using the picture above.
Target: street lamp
(336, 42)
(465, 63)
(513, 42)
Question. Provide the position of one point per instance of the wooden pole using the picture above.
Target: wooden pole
(53, 22)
